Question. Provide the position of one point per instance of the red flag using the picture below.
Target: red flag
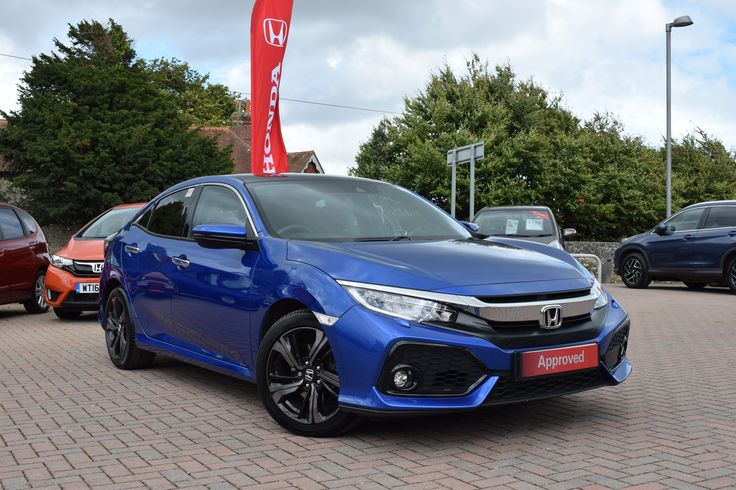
(270, 22)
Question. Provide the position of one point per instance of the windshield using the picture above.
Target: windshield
(515, 222)
(350, 210)
(108, 223)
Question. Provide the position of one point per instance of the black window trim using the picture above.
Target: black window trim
(698, 227)
(187, 219)
(20, 221)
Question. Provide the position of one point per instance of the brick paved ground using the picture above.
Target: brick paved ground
(69, 419)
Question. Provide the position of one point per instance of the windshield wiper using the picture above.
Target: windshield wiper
(382, 238)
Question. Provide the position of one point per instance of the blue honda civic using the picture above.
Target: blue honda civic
(343, 297)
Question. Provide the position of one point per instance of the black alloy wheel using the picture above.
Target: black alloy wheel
(634, 271)
(37, 302)
(120, 334)
(298, 379)
(731, 274)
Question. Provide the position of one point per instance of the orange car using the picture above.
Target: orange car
(73, 280)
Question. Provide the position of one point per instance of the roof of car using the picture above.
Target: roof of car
(538, 208)
(711, 203)
(250, 178)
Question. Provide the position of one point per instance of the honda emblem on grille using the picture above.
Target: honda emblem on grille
(551, 317)
(97, 268)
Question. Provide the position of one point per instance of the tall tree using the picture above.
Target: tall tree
(593, 175)
(96, 128)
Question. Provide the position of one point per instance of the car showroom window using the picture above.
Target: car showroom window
(687, 220)
(721, 217)
(170, 214)
(28, 222)
(219, 206)
(10, 226)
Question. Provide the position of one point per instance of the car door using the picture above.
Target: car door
(212, 300)
(672, 251)
(717, 237)
(146, 261)
(17, 260)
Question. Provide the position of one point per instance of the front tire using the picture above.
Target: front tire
(120, 334)
(730, 274)
(298, 380)
(634, 271)
(37, 302)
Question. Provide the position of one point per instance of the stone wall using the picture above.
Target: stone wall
(604, 250)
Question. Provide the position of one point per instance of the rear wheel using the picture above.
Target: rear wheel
(731, 274)
(67, 314)
(120, 334)
(635, 272)
(37, 302)
(298, 380)
(695, 285)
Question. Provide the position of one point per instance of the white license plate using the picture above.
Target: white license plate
(88, 287)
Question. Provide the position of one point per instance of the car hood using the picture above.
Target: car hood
(472, 267)
(75, 249)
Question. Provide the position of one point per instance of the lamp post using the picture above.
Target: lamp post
(682, 21)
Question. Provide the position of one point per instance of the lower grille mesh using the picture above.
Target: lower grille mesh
(508, 390)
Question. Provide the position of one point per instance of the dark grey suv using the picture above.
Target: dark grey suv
(696, 246)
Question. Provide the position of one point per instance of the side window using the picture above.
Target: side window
(721, 217)
(28, 223)
(687, 220)
(219, 206)
(10, 226)
(170, 214)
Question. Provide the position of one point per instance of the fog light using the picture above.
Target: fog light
(404, 378)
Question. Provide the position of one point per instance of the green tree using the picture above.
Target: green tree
(202, 103)
(95, 128)
(593, 175)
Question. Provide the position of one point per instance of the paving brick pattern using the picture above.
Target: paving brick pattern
(68, 419)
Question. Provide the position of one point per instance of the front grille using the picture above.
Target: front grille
(508, 390)
(442, 370)
(87, 299)
(617, 348)
(570, 321)
(85, 269)
(528, 298)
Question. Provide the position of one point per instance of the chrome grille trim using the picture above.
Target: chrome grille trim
(494, 312)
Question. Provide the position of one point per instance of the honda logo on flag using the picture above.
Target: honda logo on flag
(269, 33)
(275, 31)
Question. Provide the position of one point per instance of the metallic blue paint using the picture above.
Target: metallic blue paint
(211, 313)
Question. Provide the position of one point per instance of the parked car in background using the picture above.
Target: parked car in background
(24, 256)
(696, 246)
(73, 280)
(531, 223)
(342, 296)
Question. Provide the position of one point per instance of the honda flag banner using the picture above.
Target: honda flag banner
(270, 22)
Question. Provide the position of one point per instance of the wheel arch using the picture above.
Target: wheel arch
(727, 257)
(633, 249)
(276, 311)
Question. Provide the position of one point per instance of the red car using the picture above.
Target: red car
(24, 257)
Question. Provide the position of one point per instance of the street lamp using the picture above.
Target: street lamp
(682, 21)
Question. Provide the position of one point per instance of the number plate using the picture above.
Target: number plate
(88, 287)
(550, 361)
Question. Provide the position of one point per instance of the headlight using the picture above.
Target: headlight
(61, 262)
(602, 296)
(406, 307)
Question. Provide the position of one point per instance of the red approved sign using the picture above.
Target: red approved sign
(550, 361)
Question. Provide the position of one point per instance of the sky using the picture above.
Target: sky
(600, 56)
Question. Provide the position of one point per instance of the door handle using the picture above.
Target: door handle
(688, 237)
(732, 233)
(132, 249)
(180, 262)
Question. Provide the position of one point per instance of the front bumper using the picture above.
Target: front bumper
(364, 343)
(61, 291)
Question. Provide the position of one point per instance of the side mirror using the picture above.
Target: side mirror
(664, 229)
(472, 227)
(569, 232)
(220, 236)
